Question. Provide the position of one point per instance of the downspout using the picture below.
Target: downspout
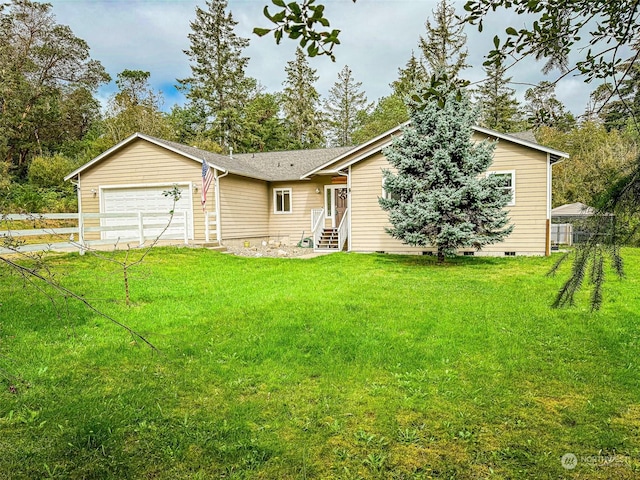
(80, 222)
(547, 248)
(349, 206)
(218, 216)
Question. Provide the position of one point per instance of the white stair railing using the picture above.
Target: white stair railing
(343, 229)
(317, 222)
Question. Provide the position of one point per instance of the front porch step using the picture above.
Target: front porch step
(328, 240)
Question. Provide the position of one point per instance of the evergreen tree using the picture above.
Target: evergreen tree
(440, 195)
(409, 77)
(499, 107)
(443, 48)
(264, 127)
(346, 108)
(300, 103)
(544, 109)
(218, 87)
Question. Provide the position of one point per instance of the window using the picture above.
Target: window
(509, 184)
(282, 200)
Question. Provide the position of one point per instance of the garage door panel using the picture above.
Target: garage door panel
(147, 200)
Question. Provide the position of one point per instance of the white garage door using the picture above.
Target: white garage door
(146, 200)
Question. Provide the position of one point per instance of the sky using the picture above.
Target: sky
(377, 38)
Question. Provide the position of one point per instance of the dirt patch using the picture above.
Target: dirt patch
(283, 251)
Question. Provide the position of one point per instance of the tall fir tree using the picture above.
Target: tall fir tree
(444, 47)
(499, 107)
(218, 86)
(300, 103)
(439, 195)
(264, 127)
(409, 77)
(346, 108)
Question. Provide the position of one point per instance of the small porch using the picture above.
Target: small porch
(331, 225)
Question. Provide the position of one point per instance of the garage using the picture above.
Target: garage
(145, 199)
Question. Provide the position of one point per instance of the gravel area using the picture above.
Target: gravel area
(269, 251)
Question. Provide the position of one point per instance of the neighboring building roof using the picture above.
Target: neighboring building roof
(573, 210)
(270, 166)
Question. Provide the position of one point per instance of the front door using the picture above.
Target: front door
(336, 203)
(340, 202)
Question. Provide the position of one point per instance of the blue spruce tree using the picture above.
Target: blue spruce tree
(439, 194)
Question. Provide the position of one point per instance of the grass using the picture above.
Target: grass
(343, 366)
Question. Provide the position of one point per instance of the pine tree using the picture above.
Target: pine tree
(499, 107)
(218, 86)
(409, 77)
(440, 195)
(300, 103)
(443, 48)
(346, 108)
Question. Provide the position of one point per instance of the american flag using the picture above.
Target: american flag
(207, 177)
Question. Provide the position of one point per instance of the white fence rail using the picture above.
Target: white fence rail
(210, 220)
(113, 228)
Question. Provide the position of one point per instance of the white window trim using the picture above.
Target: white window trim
(513, 183)
(275, 201)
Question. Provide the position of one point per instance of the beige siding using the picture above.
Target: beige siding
(528, 215)
(243, 207)
(289, 227)
(142, 163)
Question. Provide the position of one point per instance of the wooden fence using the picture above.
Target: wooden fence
(112, 229)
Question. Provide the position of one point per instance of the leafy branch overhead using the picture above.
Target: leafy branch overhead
(304, 21)
(562, 25)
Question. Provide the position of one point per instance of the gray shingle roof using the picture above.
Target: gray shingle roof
(289, 165)
(526, 135)
(271, 166)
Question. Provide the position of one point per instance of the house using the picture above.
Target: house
(571, 223)
(329, 195)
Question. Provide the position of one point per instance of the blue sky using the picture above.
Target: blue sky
(377, 37)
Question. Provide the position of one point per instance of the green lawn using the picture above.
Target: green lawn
(344, 366)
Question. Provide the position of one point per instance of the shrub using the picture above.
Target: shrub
(48, 172)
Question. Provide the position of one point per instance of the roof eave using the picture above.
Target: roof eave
(505, 136)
